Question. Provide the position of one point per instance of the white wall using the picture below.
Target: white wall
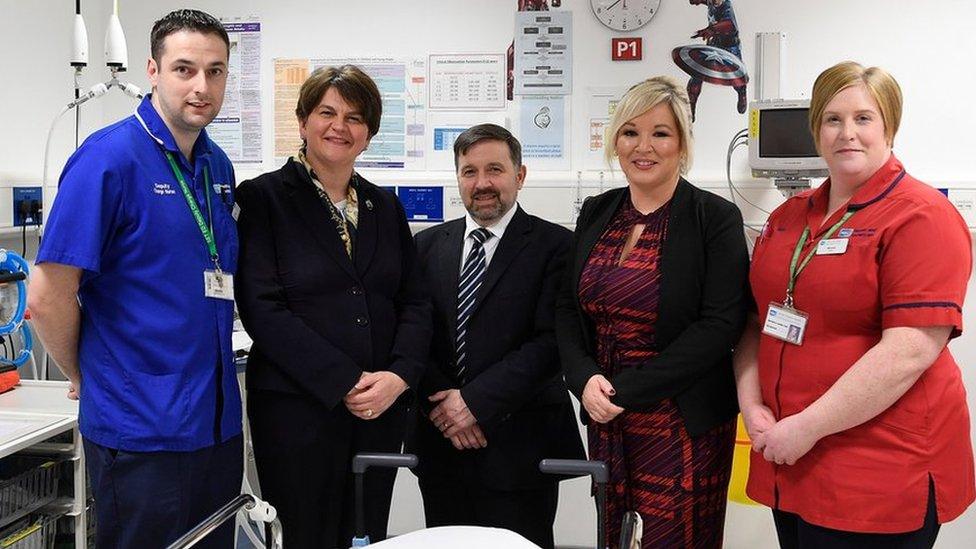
(924, 44)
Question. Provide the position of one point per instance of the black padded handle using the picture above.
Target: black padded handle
(12, 277)
(595, 469)
(361, 462)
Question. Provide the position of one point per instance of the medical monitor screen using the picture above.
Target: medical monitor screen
(785, 133)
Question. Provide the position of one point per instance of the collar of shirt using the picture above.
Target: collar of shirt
(154, 125)
(874, 189)
(497, 230)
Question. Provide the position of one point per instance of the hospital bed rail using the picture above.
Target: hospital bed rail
(258, 510)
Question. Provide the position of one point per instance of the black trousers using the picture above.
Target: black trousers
(303, 453)
(457, 498)
(145, 500)
(796, 533)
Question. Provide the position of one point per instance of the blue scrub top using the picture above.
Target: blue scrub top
(155, 354)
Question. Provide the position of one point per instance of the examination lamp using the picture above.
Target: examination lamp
(79, 42)
(116, 56)
(116, 59)
(79, 58)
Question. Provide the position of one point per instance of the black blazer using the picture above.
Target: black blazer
(319, 319)
(701, 314)
(514, 382)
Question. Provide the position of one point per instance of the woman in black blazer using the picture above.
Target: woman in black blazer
(646, 323)
(327, 288)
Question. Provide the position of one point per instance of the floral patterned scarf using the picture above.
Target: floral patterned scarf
(345, 227)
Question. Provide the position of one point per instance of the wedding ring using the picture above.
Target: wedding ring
(369, 412)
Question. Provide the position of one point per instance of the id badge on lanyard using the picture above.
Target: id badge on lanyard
(216, 283)
(783, 320)
(785, 323)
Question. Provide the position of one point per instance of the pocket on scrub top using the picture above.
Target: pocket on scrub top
(157, 402)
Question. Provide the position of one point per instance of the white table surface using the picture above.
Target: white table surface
(42, 397)
(34, 411)
(452, 537)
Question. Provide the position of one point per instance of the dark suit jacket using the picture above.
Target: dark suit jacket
(701, 313)
(317, 318)
(515, 387)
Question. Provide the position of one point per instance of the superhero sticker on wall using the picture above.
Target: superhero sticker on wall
(719, 60)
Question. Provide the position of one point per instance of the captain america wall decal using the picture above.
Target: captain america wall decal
(719, 60)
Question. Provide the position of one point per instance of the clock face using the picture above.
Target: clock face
(624, 15)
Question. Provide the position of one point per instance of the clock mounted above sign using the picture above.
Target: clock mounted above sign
(624, 15)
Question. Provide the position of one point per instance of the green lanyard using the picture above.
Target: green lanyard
(794, 269)
(205, 230)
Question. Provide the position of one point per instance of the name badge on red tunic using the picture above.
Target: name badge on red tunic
(785, 323)
(832, 246)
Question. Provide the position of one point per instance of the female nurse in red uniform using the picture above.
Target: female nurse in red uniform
(855, 406)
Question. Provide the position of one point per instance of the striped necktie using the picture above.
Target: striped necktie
(472, 274)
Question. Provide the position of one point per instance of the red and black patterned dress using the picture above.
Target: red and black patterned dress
(676, 483)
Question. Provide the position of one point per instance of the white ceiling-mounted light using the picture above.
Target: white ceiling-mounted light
(79, 42)
(116, 54)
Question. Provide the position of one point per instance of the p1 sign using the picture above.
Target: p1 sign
(626, 49)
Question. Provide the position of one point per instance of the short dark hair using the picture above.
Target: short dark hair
(188, 20)
(487, 132)
(355, 87)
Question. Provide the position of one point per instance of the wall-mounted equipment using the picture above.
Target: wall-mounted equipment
(27, 206)
(780, 144)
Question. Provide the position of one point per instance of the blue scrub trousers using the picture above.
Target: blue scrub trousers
(149, 499)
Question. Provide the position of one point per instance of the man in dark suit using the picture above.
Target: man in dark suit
(492, 401)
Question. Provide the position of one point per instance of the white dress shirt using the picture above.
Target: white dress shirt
(497, 230)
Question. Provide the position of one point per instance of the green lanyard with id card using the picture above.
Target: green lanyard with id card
(216, 283)
(784, 321)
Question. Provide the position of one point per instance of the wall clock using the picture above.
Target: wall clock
(624, 15)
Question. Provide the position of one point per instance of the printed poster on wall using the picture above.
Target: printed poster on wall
(543, 53)
(288, 77)
(467, 82)
(600, 103)
(445, 127)
(544, 132)
(403, 126)
(237, 129)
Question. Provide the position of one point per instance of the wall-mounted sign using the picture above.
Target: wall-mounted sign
(626, 49)
(422, 203)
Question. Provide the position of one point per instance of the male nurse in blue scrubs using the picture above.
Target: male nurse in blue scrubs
(133, 297)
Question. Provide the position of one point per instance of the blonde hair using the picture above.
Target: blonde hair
(879, 83)
(645, 96)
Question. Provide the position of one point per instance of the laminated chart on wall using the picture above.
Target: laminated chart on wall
(445, 127)
(600, 104)
(403, 127)
(288, 77)
(238, 127)
(544, 132)
(467, 82)
(543, 53)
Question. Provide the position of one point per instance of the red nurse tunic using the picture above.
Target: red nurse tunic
(907, 263)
